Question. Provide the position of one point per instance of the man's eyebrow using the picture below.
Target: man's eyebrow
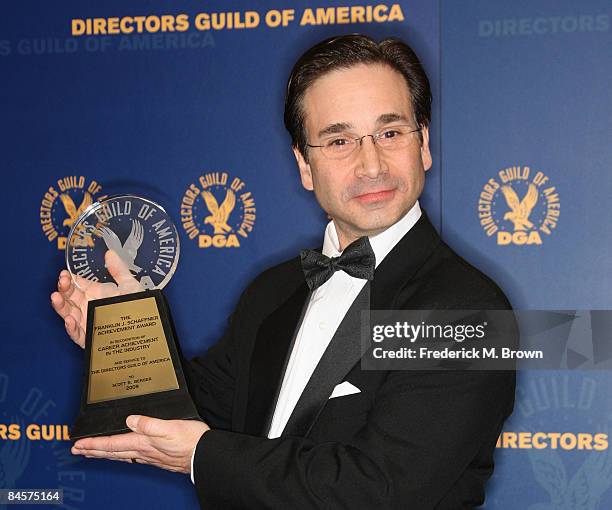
(338, 127)
(386, 118)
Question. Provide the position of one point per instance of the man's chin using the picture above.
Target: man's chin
(374, 224)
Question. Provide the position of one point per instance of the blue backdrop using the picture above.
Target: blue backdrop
(521, 100)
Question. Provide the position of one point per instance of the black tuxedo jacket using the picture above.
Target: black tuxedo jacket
(408, 440)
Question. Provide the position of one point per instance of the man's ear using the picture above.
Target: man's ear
(305, 172)
(425, 152)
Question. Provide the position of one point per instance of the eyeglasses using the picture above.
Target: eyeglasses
(391, 138)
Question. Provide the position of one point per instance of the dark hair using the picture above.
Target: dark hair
(344, 52)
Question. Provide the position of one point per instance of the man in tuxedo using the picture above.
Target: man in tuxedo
(290, 418)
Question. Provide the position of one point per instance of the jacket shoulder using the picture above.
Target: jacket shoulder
(446, 280)
(274, 285)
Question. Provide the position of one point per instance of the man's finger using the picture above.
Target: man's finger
(64, 283)
(119, 443)
(104, 454)
(148, 426)
(75, 332)
(61, 305)
(69, 291)
(134, 457)
(131, 457)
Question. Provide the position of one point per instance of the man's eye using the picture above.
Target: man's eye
(338, 142)
(390, 133)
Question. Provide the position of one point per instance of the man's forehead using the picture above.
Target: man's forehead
(375, 94)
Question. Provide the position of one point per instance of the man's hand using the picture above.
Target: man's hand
(70, 300)
(167, 444)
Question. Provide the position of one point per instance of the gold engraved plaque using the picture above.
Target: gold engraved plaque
(129, 352)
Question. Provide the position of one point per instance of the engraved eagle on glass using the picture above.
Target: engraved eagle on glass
(128, 250)
(138, 230)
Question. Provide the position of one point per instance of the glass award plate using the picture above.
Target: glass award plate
(138, 230)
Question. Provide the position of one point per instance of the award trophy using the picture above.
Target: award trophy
(132, 364)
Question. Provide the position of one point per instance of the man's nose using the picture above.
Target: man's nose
(370, 163)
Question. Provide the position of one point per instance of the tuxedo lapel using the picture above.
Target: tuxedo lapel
(341, 354)
(402, 262)
(275, 339)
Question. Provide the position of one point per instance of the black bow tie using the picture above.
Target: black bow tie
(357, 260)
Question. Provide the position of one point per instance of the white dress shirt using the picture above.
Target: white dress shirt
(327, 307)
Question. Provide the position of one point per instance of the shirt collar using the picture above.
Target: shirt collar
(381, 243)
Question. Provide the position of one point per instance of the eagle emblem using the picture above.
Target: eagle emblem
(219, 214)
(520, 209)
(71, 209)
(583, 491)
(128, 250)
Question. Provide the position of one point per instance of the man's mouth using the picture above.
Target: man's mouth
(376, 196)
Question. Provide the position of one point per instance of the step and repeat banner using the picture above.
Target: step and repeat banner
(182, 102)
(526, 159)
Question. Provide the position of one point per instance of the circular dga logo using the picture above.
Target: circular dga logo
(519, 206)
(63, 203)
(136, 229)
(218, 211)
